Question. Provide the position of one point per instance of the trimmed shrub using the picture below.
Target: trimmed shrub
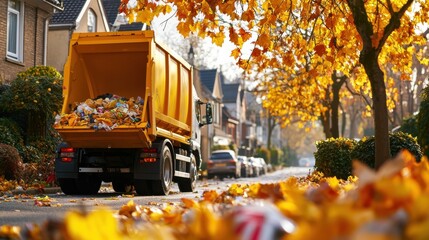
(409, 125)
(10, 162)
(365, 148)
(290, 157)
(423, 122)
(264, 153)
(333, 157)
(276, 156)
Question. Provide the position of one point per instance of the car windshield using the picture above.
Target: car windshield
(217, 156)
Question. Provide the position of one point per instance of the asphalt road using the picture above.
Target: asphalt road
(23, 210)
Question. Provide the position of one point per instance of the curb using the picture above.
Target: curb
(48, 190)
(34, 191)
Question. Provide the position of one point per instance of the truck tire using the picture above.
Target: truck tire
(88, 184)
(163, 186)
(68, 186)
(189, 184)
(143, 187)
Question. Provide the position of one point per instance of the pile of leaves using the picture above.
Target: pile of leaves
(104, 112)
(390, 203)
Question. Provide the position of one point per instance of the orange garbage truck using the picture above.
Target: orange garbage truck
(130, 116)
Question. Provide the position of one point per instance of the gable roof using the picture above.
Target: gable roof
(208, 77)
(230, 92)
(72, 9)
(131, 26)
(111, 9)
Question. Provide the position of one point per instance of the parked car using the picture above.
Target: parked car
(256, 166)
(223, 163)
(264, 166)
(246, 166)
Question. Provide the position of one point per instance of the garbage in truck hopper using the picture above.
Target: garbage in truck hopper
(103, 112)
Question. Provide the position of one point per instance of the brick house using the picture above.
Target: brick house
(23, 34)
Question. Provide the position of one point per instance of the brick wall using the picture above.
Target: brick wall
(33, 41)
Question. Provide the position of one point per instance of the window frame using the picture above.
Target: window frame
(92, 16)
(18, 55)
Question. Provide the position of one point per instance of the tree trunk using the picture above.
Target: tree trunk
(325, 119)
(369, 59)
(343, 123)
(335, 104)
(376, 77)
(272, 123)
(270, 131)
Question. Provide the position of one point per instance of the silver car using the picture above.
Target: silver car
(256, 166)
(223, 163)
(246, 166)
(264, 166)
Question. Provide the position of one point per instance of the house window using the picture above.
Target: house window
(216, 113)
(15, 29)
(92, 21)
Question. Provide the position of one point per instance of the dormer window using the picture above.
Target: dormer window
(92, 21)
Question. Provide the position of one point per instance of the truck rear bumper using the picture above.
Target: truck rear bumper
(100, 170)
(83, 137)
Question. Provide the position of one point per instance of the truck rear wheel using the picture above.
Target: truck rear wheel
(163, 186)
(189, 184)
(68, 186)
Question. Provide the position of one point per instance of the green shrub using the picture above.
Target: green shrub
(365, 149)
(276, 156)
(30, 103)
(423, 122)
(290, 157)
(264, 153)
(31, 91)
(333, 157)
(11, 134)
(409, 125)
(10, 162)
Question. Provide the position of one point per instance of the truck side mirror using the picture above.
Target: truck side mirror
(209, 113)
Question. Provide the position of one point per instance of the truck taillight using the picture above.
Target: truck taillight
(67, 154)
(148, 155)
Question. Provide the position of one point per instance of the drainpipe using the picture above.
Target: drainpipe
(45, 39)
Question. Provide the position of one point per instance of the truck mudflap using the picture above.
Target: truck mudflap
(120, 137)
